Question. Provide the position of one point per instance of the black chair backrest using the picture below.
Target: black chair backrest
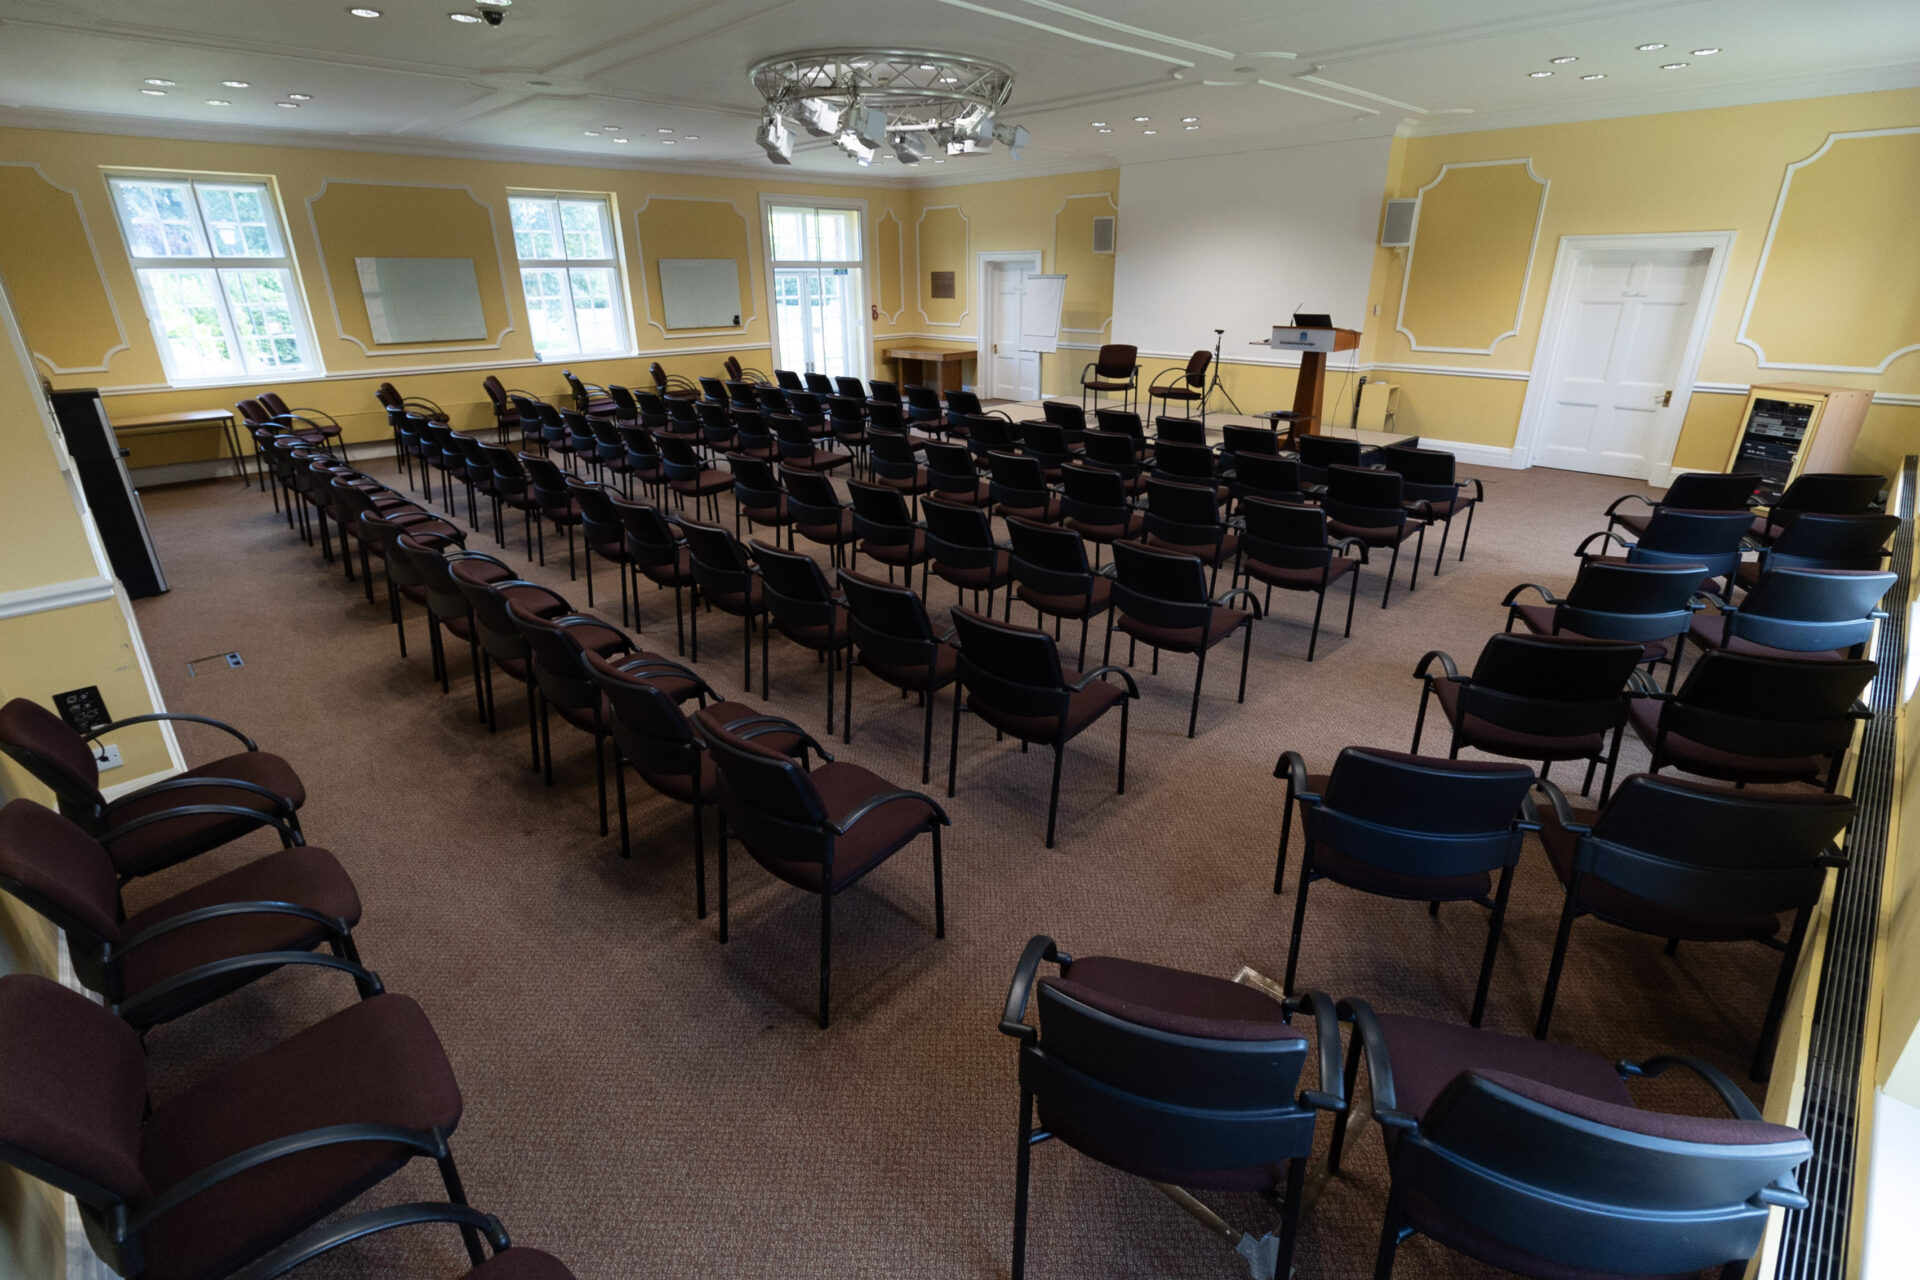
(986, 432)
(1013, 670)
(1639, 602)
(950, 468)
(960, 537)
(1820, 541)
(1595, 1186)
(741, 394)
(797, 592)
(1711, 491)
(1710, 538)
(1258, 476)
(1188, 431)
(1182, 461)
(788, 380)
(653, 409)
(884, 392)
(600, 524)
(810, 497)
(1095, 494)
(1364, 499)
(1831, 493)
(1122, 421)
(770, 803)
(1551, 686)
(1811, 610)
(712, 389)
(892, 455)
(1239, 440)
(805, 405)
(819, 383)
(754, 483)
(1286, 535)
(1049, 560)
(771, 399)
(1045, 441)
(880, 514)
(886, 415)
(719, 560)
(852, 387)
(1421, 816)
(1112, 449)
(1773, 708)
(847, 412)
(1160, 588)
(651, 537)
(1328, 451)
(652, 731)
(556, 658)
(487, 598)
(962, 404)
(889, 623)
(923, 403)
(1183, 514)
(1065, 414)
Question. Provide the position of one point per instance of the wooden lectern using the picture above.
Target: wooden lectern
(1313, 345)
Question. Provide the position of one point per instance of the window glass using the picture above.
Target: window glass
(570, 274)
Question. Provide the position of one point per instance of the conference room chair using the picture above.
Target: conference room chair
(887, 531)
(952, 475)
(588, 397)
(962, 549)
(820, 830)
(307, 421)
(724, 579)
(894, 639)
(1124, 422)
(427, 563)
(1745, 718)
(244, 789)
(712, 390)
(742, 373)
(1053, 577)
(1651, 605)
(846, 385)
(758, 497)
(892, 464)
(1168, 430)
(390, 398)
(1545, 698)
(507, 1262)
(531, 423)
(671, 386)
(659, 554)
(1828, 612)
(1695, 863)
(1372, 507)
(583, 446)
(226, 1168)
(888, 415)
(1184, 1079)
(311, 489)
(378, 531)
(802, 606)
(502, 645)
(1164, 599)
(683, 418)
(1116, 452)
(1430, 479)
(988, 434)
(352, 496)
(610, 454)
(1319, 453)
(1817, 541)
(882, 392)
(961, 405)
(806, 406)
(603, 534)
(819, 515)
(1019, 489)
(189, 949)
(688, 475)
(1535, 1159)
(923, 405)
(1271, 478)
(626, 409)
(1689, 491)
(512, 490)
(1287, 545)
(1714, 539)
(819, 383)
(555, 439)
(1048, 444)
(1191, 463)
(1012, 679)
(1187, 520)
(477, 474)
(753, 437)
(652, 408)
(788, 380)
(1185, 384)
(1820, 493)
(506, 415)
(1409, 827)
(653, 733)
(717, 432)
(1114, 371)
(797, 447)
(1066, 415)
(1097, 506)
(847, 421)
(1236, 440)
(553, 504)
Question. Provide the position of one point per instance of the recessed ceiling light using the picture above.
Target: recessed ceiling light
(1538, 75)
(301, 97)
(591, 133)
(495, 4)
(928, 66)
(155, 93)
(540, 84)
(1189, 119)
(667, 142)
(1706, 53)
(949, 79)
(236, 84)
(663, 131)
(464, 17)
(1649, 48)
(939, 161)
(1563, 60)
(364, 13)
(1674, 66)
(619, 139)
(1598, 75)
(291, 106)
(1099, 124)
(1141, 119)
(690, 137)
(1192, 127)
(1149, 132)
(1106, 131)
(160, 84)
(218, 102)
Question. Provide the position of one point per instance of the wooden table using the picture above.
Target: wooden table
(161, 424)
(946, 362)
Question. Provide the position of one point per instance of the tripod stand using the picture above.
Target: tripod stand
(1213, 383)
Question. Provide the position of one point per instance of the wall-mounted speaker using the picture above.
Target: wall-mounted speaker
(1396, 230)
(1103, 234)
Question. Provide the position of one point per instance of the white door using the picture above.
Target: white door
(1621, 344)
(1012, 374)
(817, 320)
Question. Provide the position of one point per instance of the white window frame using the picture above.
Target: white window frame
(616, 264)
(280, 259)
(769, 201)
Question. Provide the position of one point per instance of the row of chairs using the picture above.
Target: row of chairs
(223, 1177)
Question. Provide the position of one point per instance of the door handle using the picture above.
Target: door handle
(1666, 398)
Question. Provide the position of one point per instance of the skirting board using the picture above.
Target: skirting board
(1476, 455)
(222, 468)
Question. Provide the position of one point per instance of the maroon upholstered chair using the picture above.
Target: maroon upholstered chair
(167, 821)
(672, 386)
(187, 950)
(802, 606)
(1161, 597)
(315, 424)
(420, 406)
(501, 644)
(895, 640)
(1115, 371)
(241, 1161)
(1187, 385)
(509, 1262)
(820, 830)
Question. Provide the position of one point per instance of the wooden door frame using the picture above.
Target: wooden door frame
(983, 349)
(1553, 327)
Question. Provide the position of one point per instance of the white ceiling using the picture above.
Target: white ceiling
(1256, 73)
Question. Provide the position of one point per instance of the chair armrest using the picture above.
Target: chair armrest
(1860, 710)
(1293, 768)
(1441, 656)
(309, 413)
(1730, 1093)
(1562, 810)
(522, 582)
(1422, 508)
(1641, 685)
(409, 402)
(429, 1143)
(310, 1245)
(333, 924)
(1252, 599)
(1346, 544)
(576, 620)
(1479, 489)
(1084, 370)
(1332, 1093)
(1088, 677)
(221, 725)
(1606, 535)
(1013, 1019)
(946, 635)
(183, 783)
(1546, 596)
(867, 806)
(649, 667)
(1630, 497)
(366, 981)
(760, 726)
(1379, 1065)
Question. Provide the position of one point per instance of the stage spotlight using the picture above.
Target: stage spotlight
(776, 139)
(818, 117)
(909, 148)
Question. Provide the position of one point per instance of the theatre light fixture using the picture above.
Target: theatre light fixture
(869, 102)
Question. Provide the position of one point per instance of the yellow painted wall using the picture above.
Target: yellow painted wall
(1471, 255)
(1711, 170)
(56, 278)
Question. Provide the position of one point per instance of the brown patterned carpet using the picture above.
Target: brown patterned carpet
(644, 1102)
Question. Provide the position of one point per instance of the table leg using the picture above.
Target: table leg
(231, 431)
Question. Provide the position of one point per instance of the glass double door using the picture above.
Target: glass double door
(818, 320)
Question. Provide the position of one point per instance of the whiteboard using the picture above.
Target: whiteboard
(1040, 304)
(1295, 225)
(421, 299)
(700, 293)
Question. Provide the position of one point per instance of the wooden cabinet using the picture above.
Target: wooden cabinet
(1790, 427)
